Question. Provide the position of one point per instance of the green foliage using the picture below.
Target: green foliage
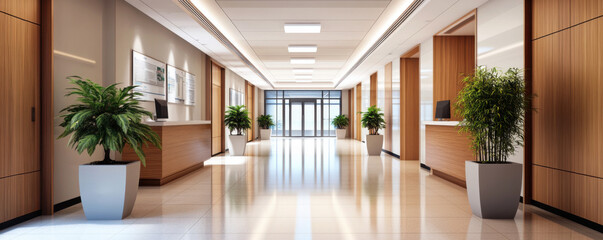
(237, 118)
(106, 116)
(265, 121)
(340, 122)
(493, 106)
(373, 120)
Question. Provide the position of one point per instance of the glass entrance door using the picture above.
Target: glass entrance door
(303, 118)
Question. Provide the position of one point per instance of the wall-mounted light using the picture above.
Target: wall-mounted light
(302, 48)
(302, 27)
(303, 60)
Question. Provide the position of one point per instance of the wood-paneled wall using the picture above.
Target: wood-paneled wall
(217, 109)
(409, 108)
(387, 109)
(249, 104)
(358, 105)
(20, 107)
(373, 90)
(453, 58)
(567, 81)
(351, 115)
(446, 152)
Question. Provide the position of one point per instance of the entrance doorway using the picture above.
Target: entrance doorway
(303, 118)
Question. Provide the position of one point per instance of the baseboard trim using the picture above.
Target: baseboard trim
(425, 166)
(65, 204)
(582, 221)
(174, 176)
(449, 178)
(390, 153)
(20, 219)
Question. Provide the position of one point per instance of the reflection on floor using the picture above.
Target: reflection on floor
(304, 188)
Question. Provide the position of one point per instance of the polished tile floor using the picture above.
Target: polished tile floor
(303, 188)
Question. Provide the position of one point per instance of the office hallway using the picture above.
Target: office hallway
(303, 188)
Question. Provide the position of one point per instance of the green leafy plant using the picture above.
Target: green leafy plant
(340, 122)
(373, 120)
(106, 116)
(265, 121)
(237, 118)
(493, 105)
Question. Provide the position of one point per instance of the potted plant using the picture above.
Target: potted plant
(340, 122)
(109, 117)
(237, 118)
(493, 105)
(373, 120)
(265, 122)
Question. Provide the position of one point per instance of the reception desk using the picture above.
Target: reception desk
(446, 150)
(185, 146)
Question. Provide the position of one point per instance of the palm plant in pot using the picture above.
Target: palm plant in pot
(237, 119)
(109, 117)
(373, 120)
(265, 122)
(340, 122)
(493, 104)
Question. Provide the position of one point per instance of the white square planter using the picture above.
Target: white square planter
(265, 134)
(374, 144)
(237, 145)
(108, 192)
(340, 133)
(493, 188)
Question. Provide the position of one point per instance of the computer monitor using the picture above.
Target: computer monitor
(161, 109)
(442, 109)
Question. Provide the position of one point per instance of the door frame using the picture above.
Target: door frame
(303, 115)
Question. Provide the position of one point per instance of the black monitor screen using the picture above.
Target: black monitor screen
(161, 109)
(443, 109)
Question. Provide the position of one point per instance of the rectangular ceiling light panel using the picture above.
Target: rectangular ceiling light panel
(303, 70)
(303, 60)
(302, 27)
(303, 48)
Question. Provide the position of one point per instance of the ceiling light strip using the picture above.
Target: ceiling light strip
(413, 6)
(216, 32)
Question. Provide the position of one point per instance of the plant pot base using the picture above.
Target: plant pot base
(237, 145)
(493, 189)
(340, 133)
(265, 134)
(374, 144)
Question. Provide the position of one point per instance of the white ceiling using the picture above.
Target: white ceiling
(349, 29)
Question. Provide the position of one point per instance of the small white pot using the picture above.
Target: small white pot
(108, 192)
(374, 144)
(237, 145)
(493, 188)
(340, 133)
(265, 134)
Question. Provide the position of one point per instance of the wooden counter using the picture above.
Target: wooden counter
(446, 150)
(185, 146)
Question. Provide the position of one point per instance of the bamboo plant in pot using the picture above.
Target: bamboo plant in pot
(492, 105)
(340, 122)
(237, 119)
(109, 117)
(265, 122)
(373, 120)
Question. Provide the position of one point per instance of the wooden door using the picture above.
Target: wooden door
(217, 110)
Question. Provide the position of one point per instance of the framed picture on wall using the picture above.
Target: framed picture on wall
(189, 89)
(175, 84)
(149, 75)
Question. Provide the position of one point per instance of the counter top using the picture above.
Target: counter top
(441, 123)
(177, 123)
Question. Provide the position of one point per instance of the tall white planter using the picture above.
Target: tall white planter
(374, 144)
(237, 145)
(265, 134)
(108, 192)
(493, 188)
(340, 133)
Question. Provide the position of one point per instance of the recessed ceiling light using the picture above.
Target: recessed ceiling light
(303, 70)
(302, 48)
(303, 60)
(302, 27)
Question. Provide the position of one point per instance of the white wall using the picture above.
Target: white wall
(426, 94)
(365, 102)
(236, 82)
(396, 106)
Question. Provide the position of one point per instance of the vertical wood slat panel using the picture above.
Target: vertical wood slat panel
(584, 10)
(549, 16)
(409, 108)
(20, 195)
(453, 58)
(373, 90)
(387, 111)
(358, 110)
(217, 108)
(350, 131)
(24, 9)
